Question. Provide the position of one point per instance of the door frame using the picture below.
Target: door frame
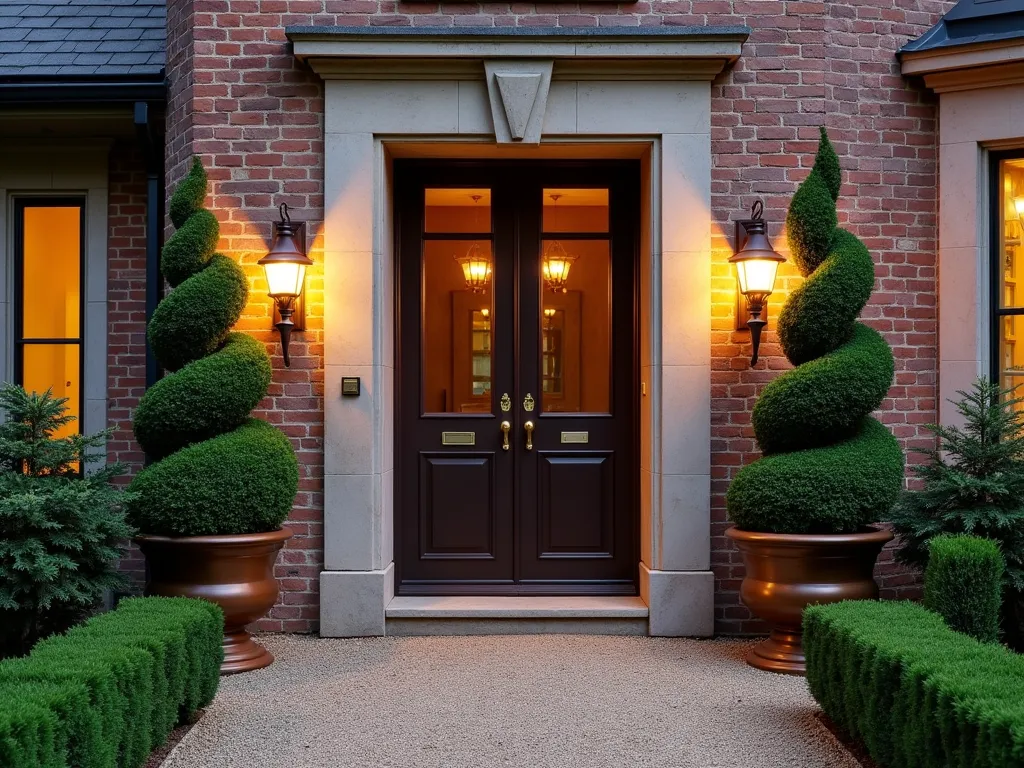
(460, 172)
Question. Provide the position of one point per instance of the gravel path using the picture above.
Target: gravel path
(545, 701)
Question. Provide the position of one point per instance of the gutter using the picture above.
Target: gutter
(153, 153)
(83, 91)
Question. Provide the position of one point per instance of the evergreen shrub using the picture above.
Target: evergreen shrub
(963, 583)
(216, 471)
(110, 690)
(828, 467)
(61, 528)
(894, 677)
(973, 483)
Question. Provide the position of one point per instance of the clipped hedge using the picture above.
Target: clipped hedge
(828, 467)
(109, 691)
(916, 694)
(963, 583)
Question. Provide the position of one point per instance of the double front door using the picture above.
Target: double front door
(516, 386)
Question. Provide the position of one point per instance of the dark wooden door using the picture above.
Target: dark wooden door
(516, 308)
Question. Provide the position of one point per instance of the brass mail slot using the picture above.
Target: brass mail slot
(575, 437)
(458, 438)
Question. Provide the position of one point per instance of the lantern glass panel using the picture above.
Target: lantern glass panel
(284, 278)
(756, 275)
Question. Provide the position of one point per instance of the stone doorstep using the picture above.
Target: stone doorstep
(426, 616)
(596, 607)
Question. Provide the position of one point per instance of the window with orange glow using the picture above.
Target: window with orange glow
(48, 299)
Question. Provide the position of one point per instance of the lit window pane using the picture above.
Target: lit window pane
(458, 323)
(51, 272)
(54, 367)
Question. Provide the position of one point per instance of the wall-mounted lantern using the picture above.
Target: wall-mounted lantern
(756, 266)
(285, 266)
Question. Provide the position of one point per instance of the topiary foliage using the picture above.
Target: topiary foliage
(828, 467)
(217, 470)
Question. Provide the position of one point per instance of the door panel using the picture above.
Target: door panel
(457, 505)
(576, 505)
(516, 304)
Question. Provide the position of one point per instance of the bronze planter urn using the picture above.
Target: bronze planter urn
(235, 572)
(786, 572)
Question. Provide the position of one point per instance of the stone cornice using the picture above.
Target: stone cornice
(640, 53)
(968, 67)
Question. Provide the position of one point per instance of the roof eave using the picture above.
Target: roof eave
(83, 90)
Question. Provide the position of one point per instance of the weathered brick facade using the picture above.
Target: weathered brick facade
(239, 100)
(126, 313)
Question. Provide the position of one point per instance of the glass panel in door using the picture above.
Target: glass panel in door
(458, 305)
(575, 304)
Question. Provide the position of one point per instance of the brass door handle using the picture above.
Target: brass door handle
(505, 427)
(528, 426)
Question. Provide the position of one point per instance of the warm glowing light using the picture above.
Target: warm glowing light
(485, 312)
(476, 268)
(757, 276)
(285, 267)
(756, 264)
(556, 265)
(1018, 207)
(284, 278)
(50, 305)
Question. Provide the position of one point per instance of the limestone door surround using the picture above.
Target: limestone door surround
(643, 93)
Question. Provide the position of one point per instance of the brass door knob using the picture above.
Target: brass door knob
(505, 427)
(528, 426)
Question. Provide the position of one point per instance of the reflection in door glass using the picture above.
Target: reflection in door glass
(457, 210)
(575, 210)
(576, 329)
(458, 335)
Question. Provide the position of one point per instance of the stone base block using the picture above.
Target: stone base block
(352, 603)
(681, 603)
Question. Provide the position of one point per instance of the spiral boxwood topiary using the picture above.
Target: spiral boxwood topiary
(216, 470)
(828, 467)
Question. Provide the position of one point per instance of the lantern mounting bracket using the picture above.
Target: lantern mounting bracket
(298, 304)
(739, 240)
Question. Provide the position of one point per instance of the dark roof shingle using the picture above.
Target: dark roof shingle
(971, 22)
(81, 38)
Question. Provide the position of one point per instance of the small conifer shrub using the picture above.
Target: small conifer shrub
(62, 521)
(973, 482)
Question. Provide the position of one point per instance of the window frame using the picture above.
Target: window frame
(19, 341)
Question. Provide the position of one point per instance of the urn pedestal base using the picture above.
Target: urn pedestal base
(235, 572)
(786, 572)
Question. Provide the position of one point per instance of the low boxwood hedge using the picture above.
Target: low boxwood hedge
(963, 583)
(894, 677)
(110, 690)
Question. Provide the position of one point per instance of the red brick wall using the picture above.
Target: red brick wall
(255, 117)
(126, 314)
